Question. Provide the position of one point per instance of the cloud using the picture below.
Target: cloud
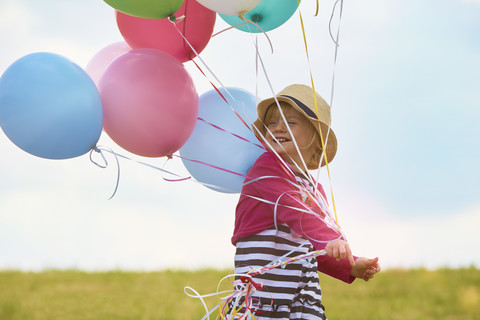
(27, 27)
(411, 240)
(17, 15)
(16, 21)
(474, 2)
(57, 228)
(56, 213)
(151, 224)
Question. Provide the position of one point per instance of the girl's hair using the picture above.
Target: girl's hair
(315, 143)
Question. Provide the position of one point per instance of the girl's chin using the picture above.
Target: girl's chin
(278, 149)
(282, 153)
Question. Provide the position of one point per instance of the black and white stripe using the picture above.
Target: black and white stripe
(292, 292)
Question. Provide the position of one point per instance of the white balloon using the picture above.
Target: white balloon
(231, 7)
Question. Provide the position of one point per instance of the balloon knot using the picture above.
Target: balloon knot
(257, 18)
(241, 14)
(169, 156)
(174, 19)
(248, 280)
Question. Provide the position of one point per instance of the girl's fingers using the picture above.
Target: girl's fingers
(350, 256)
(329, 251)
(335, 253)
(342, 252)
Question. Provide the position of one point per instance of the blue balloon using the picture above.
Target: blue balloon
(268, 15)
(50, 107)
(220, 147)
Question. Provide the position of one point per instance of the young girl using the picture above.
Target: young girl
(282, 211)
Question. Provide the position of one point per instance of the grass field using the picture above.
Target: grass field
(393, 294)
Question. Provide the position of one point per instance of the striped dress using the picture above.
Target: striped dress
(292, 292)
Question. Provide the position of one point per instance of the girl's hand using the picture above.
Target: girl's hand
(339, 249)
(365, 268)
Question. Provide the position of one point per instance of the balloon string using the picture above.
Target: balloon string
(100, 150)
(259, 59)
(117, 155)
(213, 74)
(312, 83)
(231, 133)
(103, 166)
(185, 27)
(316, 11)
(247, 22)
(256, 25)
(231, 27)
(256, 70)
(276, 204)
(173, 180)
(322, 139)
(306, 210)
(213, 85)
(283, 264)
(197, 55)
(212, 166)
(336, 41)
(300, 191)
(201, 298)
(244, 287)
(185, 43)
(283, 116)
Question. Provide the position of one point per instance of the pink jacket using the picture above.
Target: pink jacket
(254, 215)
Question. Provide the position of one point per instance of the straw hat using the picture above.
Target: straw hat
(301, 98)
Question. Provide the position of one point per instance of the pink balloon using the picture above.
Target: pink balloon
(197, 27)
(100, 61)
(150, 104)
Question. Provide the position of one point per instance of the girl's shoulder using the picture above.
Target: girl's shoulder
(269, 161)
(266, 156)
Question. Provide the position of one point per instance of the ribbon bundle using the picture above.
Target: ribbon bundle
(239, 303)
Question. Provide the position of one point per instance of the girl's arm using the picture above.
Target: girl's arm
(275, 184)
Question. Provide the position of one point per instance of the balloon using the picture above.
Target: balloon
(49, 106)
(100, 61)
(161, 34)
(219, 148)
(150, 9)
(268, 15)
(150, 103)
(233, 7)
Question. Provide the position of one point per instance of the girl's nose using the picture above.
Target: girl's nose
(280, 127)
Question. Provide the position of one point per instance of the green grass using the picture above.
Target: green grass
(445, 294)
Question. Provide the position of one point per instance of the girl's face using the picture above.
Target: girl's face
(283, 144)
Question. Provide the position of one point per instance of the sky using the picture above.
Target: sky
(405, 111)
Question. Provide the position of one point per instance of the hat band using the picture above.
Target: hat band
(302, 106)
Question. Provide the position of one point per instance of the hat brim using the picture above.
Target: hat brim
(326, 133)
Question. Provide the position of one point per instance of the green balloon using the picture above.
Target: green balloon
(149, 9)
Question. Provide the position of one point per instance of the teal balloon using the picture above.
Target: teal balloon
(268, 15)
(216, 148)
(50, 107)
